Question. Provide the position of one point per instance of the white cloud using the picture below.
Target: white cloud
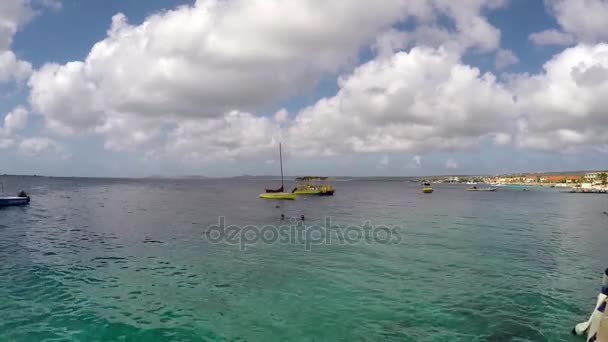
(580, 21)
(12, 69)
(6, 143)
(565, 106)
(552, 37)
(42, 147)
(236, 135)
(12, 123)
(505, 58)
(451, 164)
(384, 162)
(15, 120)
(66, 98)
(231, 56)
(502, 139)
(417, 160)
(414, 101)
(13, 15)
(200, 97)
(415, 163)
(471, 29)
(281, 115)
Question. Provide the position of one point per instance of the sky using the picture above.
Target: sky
(129, 88)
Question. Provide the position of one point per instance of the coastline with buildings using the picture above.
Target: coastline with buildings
(593, 180)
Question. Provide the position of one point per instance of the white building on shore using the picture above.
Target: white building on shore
(594, 175)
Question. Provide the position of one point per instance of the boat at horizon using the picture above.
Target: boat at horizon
(313, 185)
(481, 189)
(279, 194)
(9, 201)
(584, 191)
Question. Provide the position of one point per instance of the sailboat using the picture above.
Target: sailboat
(279, 194)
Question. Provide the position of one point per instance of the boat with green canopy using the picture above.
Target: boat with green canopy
(313, 185)
(279, 194)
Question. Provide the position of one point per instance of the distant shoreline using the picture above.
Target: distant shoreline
(432, 178)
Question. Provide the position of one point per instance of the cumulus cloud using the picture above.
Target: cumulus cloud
(15, 120)
(505, 58)
(236, 135)
(417, 160)
(451, 164)
(384, 162)
(12, 69)
(415, 163)
(13, 15)
(471, 29)
(214, 92)
(6, 143)
(428, 100)
(42, 147)
(565, 105)
(502, 139)
(231, 56)
(552, 37)
(415, 101)
(580, 21)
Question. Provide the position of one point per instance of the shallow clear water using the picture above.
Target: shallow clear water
(132, 260)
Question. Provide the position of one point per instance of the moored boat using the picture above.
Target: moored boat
(481, 189)
(21, 199)
(583, 191)
(278, 194)
(427, 189)
(310, 185)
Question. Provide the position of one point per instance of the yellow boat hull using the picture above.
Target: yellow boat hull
(307, 192)
(427, 190)
(279, 196)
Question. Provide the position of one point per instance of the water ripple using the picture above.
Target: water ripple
(100, 260)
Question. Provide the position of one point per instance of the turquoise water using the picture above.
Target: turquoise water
(135, 260)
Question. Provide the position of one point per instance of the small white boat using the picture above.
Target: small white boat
(14, 201)
(481, 189)
(8, 201)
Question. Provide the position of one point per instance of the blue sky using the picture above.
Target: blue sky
(197, 90)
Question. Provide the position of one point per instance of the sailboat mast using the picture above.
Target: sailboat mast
(281, 160)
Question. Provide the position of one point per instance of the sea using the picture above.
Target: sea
(207, 260)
